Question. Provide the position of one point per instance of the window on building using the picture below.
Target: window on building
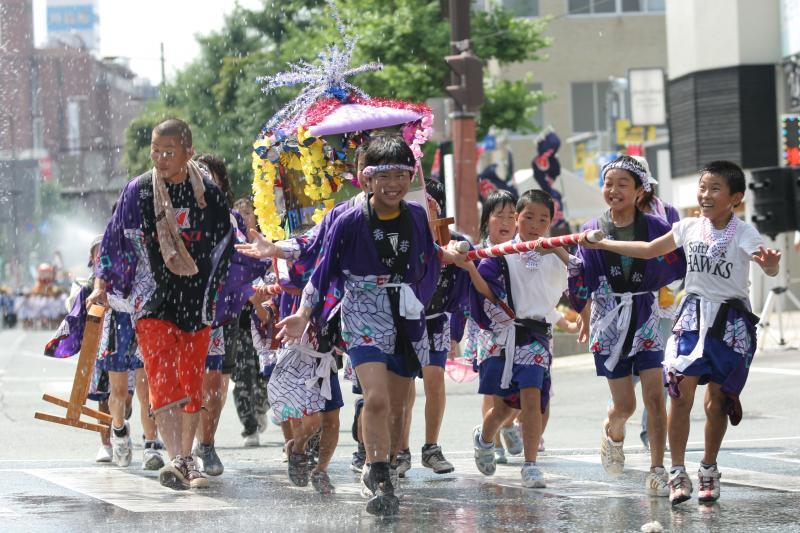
(521, 8)
(603, 7)
(589, 106)
(518, 8)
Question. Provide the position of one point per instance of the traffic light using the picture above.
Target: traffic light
(468, 70)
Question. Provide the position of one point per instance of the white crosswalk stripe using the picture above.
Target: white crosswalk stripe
(131, 492)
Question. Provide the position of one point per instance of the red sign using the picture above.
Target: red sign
(46, 168)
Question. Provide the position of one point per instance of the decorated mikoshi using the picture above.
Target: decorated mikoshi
(530, 246)
(303, 158)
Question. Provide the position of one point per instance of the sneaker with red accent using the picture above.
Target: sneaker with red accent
(708, 481)
(680, 487)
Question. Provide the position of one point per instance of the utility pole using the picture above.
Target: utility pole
(466, 89)
(163, 69)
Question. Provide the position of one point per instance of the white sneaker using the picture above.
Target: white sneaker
(251, 441)
(532, 477)
(152, 458)
(484, 457)
(513, 439)
(500, 456)
(261, 418)
(708, 484)
(122, 447)
(680, 487)
(611, 453)
(104, 453)
(657, 482)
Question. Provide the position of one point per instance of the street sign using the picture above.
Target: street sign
(647, 96)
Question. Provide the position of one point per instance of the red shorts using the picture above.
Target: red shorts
(174, 361)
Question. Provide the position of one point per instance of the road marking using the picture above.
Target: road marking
(733, 476)
(772, 456)
(7, 512)
(131, 492)
(777, 371)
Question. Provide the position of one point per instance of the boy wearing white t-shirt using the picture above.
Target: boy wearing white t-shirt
(514, 352)
(714, 336)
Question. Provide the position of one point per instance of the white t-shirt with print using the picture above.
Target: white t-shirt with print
(727, 278)
(537, 291)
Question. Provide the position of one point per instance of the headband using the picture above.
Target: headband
(634, 167)
(369, 171)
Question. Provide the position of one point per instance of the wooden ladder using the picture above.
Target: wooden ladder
(80, 385)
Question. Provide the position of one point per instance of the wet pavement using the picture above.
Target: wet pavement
(49, 482)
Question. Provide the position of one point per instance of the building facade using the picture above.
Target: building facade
(594, 44)
(63, 114)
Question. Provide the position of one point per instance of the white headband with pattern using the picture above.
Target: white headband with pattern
(371, 170)
(632, 166)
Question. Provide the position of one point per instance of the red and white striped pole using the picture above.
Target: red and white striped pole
(527, 246)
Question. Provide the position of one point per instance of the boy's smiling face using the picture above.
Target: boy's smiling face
(619, 189)
(715, 199)
(389, 187)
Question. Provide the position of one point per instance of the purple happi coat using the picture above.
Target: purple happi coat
(125, 264)
(68, 337)
(349, 259)
(449, 308)
(624, 318)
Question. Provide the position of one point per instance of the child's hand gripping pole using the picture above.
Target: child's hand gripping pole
(527, 246)
(521, 247)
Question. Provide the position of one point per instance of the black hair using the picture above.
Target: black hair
(175, 127)
(243, 200)
(498, 199)
(635, 164)
(388, 150)
(436, 190)
(730, 171)
(645, 199)
(536, 196)
(220, 175)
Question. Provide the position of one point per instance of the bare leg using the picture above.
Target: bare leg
(653, 396)
(303, 430)
(433, 380)
(409, 408)
(495, 418)
(118, 397)
(375, 414)
(531, 419)
(679, 411)
(143, 394)
(170, 426)
(286, 429)
(215, 392)
(623, 405)
(716, 422)
(328, 440)
(398, 391)
(189, 423)
(102, 406)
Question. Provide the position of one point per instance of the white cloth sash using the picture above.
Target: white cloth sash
(708, 313)
(622, 314)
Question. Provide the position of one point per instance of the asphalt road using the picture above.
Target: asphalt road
(49, 481)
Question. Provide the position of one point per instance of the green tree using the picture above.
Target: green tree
(218, 95)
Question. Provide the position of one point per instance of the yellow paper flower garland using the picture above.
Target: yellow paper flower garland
(264, 174)
(317, 169)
